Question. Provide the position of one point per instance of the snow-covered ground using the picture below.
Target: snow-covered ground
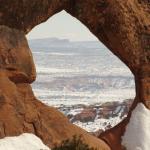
(25, 141)
(98, 124)
(97, 116)
(137, 135)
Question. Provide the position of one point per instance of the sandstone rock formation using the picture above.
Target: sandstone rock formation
(123, 26)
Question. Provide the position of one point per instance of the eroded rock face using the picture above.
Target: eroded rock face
(123, 26)
(15, 56)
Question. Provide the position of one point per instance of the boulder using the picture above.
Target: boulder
(86, 115)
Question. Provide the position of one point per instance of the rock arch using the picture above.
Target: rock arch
(123, 26)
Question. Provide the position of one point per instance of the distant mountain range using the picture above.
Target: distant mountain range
(50, 42)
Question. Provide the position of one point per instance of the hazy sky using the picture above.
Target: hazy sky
(62, 25)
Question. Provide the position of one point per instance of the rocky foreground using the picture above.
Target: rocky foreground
(97, 118)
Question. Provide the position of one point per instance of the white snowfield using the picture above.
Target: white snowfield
(25, 141)
(137, 135)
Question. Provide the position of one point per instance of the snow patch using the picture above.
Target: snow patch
(137, 135)
(25, 141)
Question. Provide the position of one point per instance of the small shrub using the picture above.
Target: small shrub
(76, 143)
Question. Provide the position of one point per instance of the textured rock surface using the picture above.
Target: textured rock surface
(15, 56)
(123, 26)
(86, 115)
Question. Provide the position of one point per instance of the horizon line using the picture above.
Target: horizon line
(90, 40)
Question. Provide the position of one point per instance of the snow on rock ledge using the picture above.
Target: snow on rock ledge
(25, 141)
(137, 135)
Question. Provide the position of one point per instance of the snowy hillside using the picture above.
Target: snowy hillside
(79, 73)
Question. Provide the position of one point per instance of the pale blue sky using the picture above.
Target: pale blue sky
(62, 25)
